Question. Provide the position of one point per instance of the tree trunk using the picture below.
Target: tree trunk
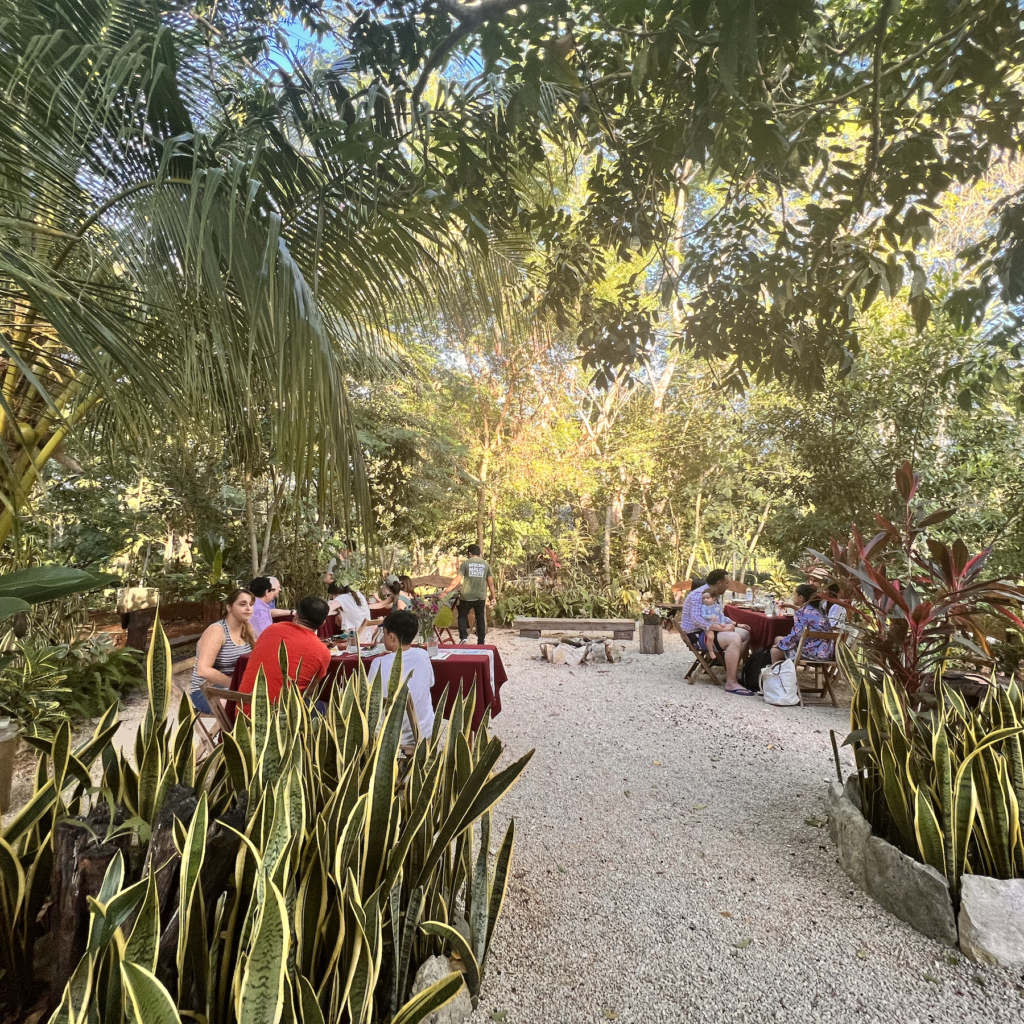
(250, 517)
(606, 544)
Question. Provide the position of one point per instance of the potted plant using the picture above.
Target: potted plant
(650, 613)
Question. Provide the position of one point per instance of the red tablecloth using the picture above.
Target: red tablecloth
(763, 628)
(468, 668)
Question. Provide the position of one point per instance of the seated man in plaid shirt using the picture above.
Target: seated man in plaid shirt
(730, 641)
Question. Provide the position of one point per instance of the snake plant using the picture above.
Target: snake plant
(946, 785)
(297, 873)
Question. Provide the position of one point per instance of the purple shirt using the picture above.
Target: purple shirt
(692, 619)
(261, 616)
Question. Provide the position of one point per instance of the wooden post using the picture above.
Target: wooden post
(652, 639)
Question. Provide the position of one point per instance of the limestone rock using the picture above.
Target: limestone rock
(912, 891)
(849, 831)
(547, 651)
(852, 792)
(566, 654)
(459, 1009)
(596, 651)
(613, 651)
(992, 920)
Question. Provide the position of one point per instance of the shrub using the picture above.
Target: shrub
(32, 689)
(291, 874)
(97, 673)
(916, 601)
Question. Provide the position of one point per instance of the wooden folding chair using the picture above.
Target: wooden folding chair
(219, 697)
(824, 670)
(702, 662)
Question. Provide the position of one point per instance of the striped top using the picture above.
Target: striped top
(226, 656)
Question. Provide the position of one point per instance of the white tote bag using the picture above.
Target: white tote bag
(778, 684)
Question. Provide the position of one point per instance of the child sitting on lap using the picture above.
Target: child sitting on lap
(714, 615)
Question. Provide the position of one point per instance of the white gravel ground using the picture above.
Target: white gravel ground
(665, 869)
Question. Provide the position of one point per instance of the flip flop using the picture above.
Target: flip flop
(742, 692)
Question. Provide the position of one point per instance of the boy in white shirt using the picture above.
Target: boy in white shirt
(400, 629)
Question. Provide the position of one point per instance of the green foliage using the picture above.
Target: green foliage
(568, 600)
(97, 674)
(946, 785)
(311, 869)
(32, 689)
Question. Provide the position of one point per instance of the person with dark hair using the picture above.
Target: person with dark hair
(474, 580)
(400, 629)
(220, 646)
(729, 640)
(308, 656)
(349, 605)
(399, 592)
(266, 589)
(806, 615)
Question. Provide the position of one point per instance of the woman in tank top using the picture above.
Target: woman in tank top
(220, 646)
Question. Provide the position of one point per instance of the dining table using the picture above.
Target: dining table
(763, 628)
(460, 667)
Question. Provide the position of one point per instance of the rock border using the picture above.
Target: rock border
(917, 894)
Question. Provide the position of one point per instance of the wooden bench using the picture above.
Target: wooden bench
(621, 629)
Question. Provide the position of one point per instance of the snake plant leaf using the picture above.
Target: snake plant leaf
(261, 996)
(260, 715)
(150, 1002)
(350, 840)
(309, 1008)
(499, 885)
(452, 937)
(31, 813)
(414, 821)
(410, 927)
(310, 914)
(431, 999)
(112, 914)
(193, 852)
(455, 819)
(382, 789)
(479, 903)
(144, 941)
(930, 840)
(236, 762)
(60, 754)
(12, 883)
(159, 672)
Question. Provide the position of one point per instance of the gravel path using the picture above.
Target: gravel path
(671, 865)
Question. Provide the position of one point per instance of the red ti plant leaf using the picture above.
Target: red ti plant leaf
(936, 517)
(907, 482)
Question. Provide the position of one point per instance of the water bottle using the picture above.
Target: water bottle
(750, 596)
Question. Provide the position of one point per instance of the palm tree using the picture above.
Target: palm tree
(189, 236)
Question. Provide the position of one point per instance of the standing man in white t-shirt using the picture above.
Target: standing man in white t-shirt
(475, 579)
(400, 629)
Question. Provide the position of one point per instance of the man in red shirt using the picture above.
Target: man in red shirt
(308, 656)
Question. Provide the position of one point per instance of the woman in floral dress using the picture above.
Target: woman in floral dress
(806, 615)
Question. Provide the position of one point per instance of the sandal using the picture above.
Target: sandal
(741, 691)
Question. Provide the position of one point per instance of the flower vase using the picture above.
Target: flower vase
(432, 646)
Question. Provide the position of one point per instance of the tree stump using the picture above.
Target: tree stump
(652, 639)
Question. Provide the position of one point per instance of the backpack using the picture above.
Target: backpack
(779, 684)
(757, 659)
